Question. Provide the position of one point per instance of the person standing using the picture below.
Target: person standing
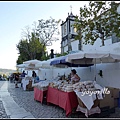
(36, 78)
(22, 77)
(34, 74)
(16, 80)
(23, 74)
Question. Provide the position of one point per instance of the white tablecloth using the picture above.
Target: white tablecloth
(24, 83)
(88, 99)
(88, 112)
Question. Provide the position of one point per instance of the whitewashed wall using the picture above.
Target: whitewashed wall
(97, 45)
(74, 45)
(111, 74)
(45, 74)
(61, 71)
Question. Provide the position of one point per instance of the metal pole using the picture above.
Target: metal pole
(95, 69)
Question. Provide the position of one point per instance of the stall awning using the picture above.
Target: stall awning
(62, 60)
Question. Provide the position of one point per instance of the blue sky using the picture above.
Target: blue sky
(14, 16)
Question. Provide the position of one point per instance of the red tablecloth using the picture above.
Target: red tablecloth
(66, 100)
(39, 94)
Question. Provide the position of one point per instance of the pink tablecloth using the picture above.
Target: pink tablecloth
(39, 94)
(66, 100)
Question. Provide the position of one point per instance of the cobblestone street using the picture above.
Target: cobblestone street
(25, 99)
(2, 110)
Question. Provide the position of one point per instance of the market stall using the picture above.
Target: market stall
(65, 100)
(40, 90)
(95, 57)
(39, 95)
(88, 90)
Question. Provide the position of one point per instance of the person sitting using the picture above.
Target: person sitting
(37, 79)
(74, 77)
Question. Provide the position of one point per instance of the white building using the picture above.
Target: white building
(111, 71)
(68, 33)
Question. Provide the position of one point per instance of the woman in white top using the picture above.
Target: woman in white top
(74, 77)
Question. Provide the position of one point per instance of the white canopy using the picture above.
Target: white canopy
(92, 57)
(21, 65)
(30, 65)
(44, 64)
(32, 61)
(39, 64)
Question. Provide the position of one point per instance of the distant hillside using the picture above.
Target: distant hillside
(6, 71)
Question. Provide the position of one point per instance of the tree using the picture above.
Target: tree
(48, 31)
(98, 20)
(30, 48)
(58, 54)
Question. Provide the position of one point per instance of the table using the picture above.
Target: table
(66, 100)
(90, 107)
(39, 94)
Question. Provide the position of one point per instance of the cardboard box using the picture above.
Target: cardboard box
(114, 92)
(111, 90)
(81, 104)
(111, 103)
(116, 102)
(105, 101)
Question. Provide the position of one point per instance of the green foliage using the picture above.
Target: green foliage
(98, 20)
(30, 49)
(45, 57)
(58, 54)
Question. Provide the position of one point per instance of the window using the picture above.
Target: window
(65, 29)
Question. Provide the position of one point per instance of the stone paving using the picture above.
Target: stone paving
(25, 99)
(13, 110)
(2, 109)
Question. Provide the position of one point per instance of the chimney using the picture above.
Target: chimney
(52, 53)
